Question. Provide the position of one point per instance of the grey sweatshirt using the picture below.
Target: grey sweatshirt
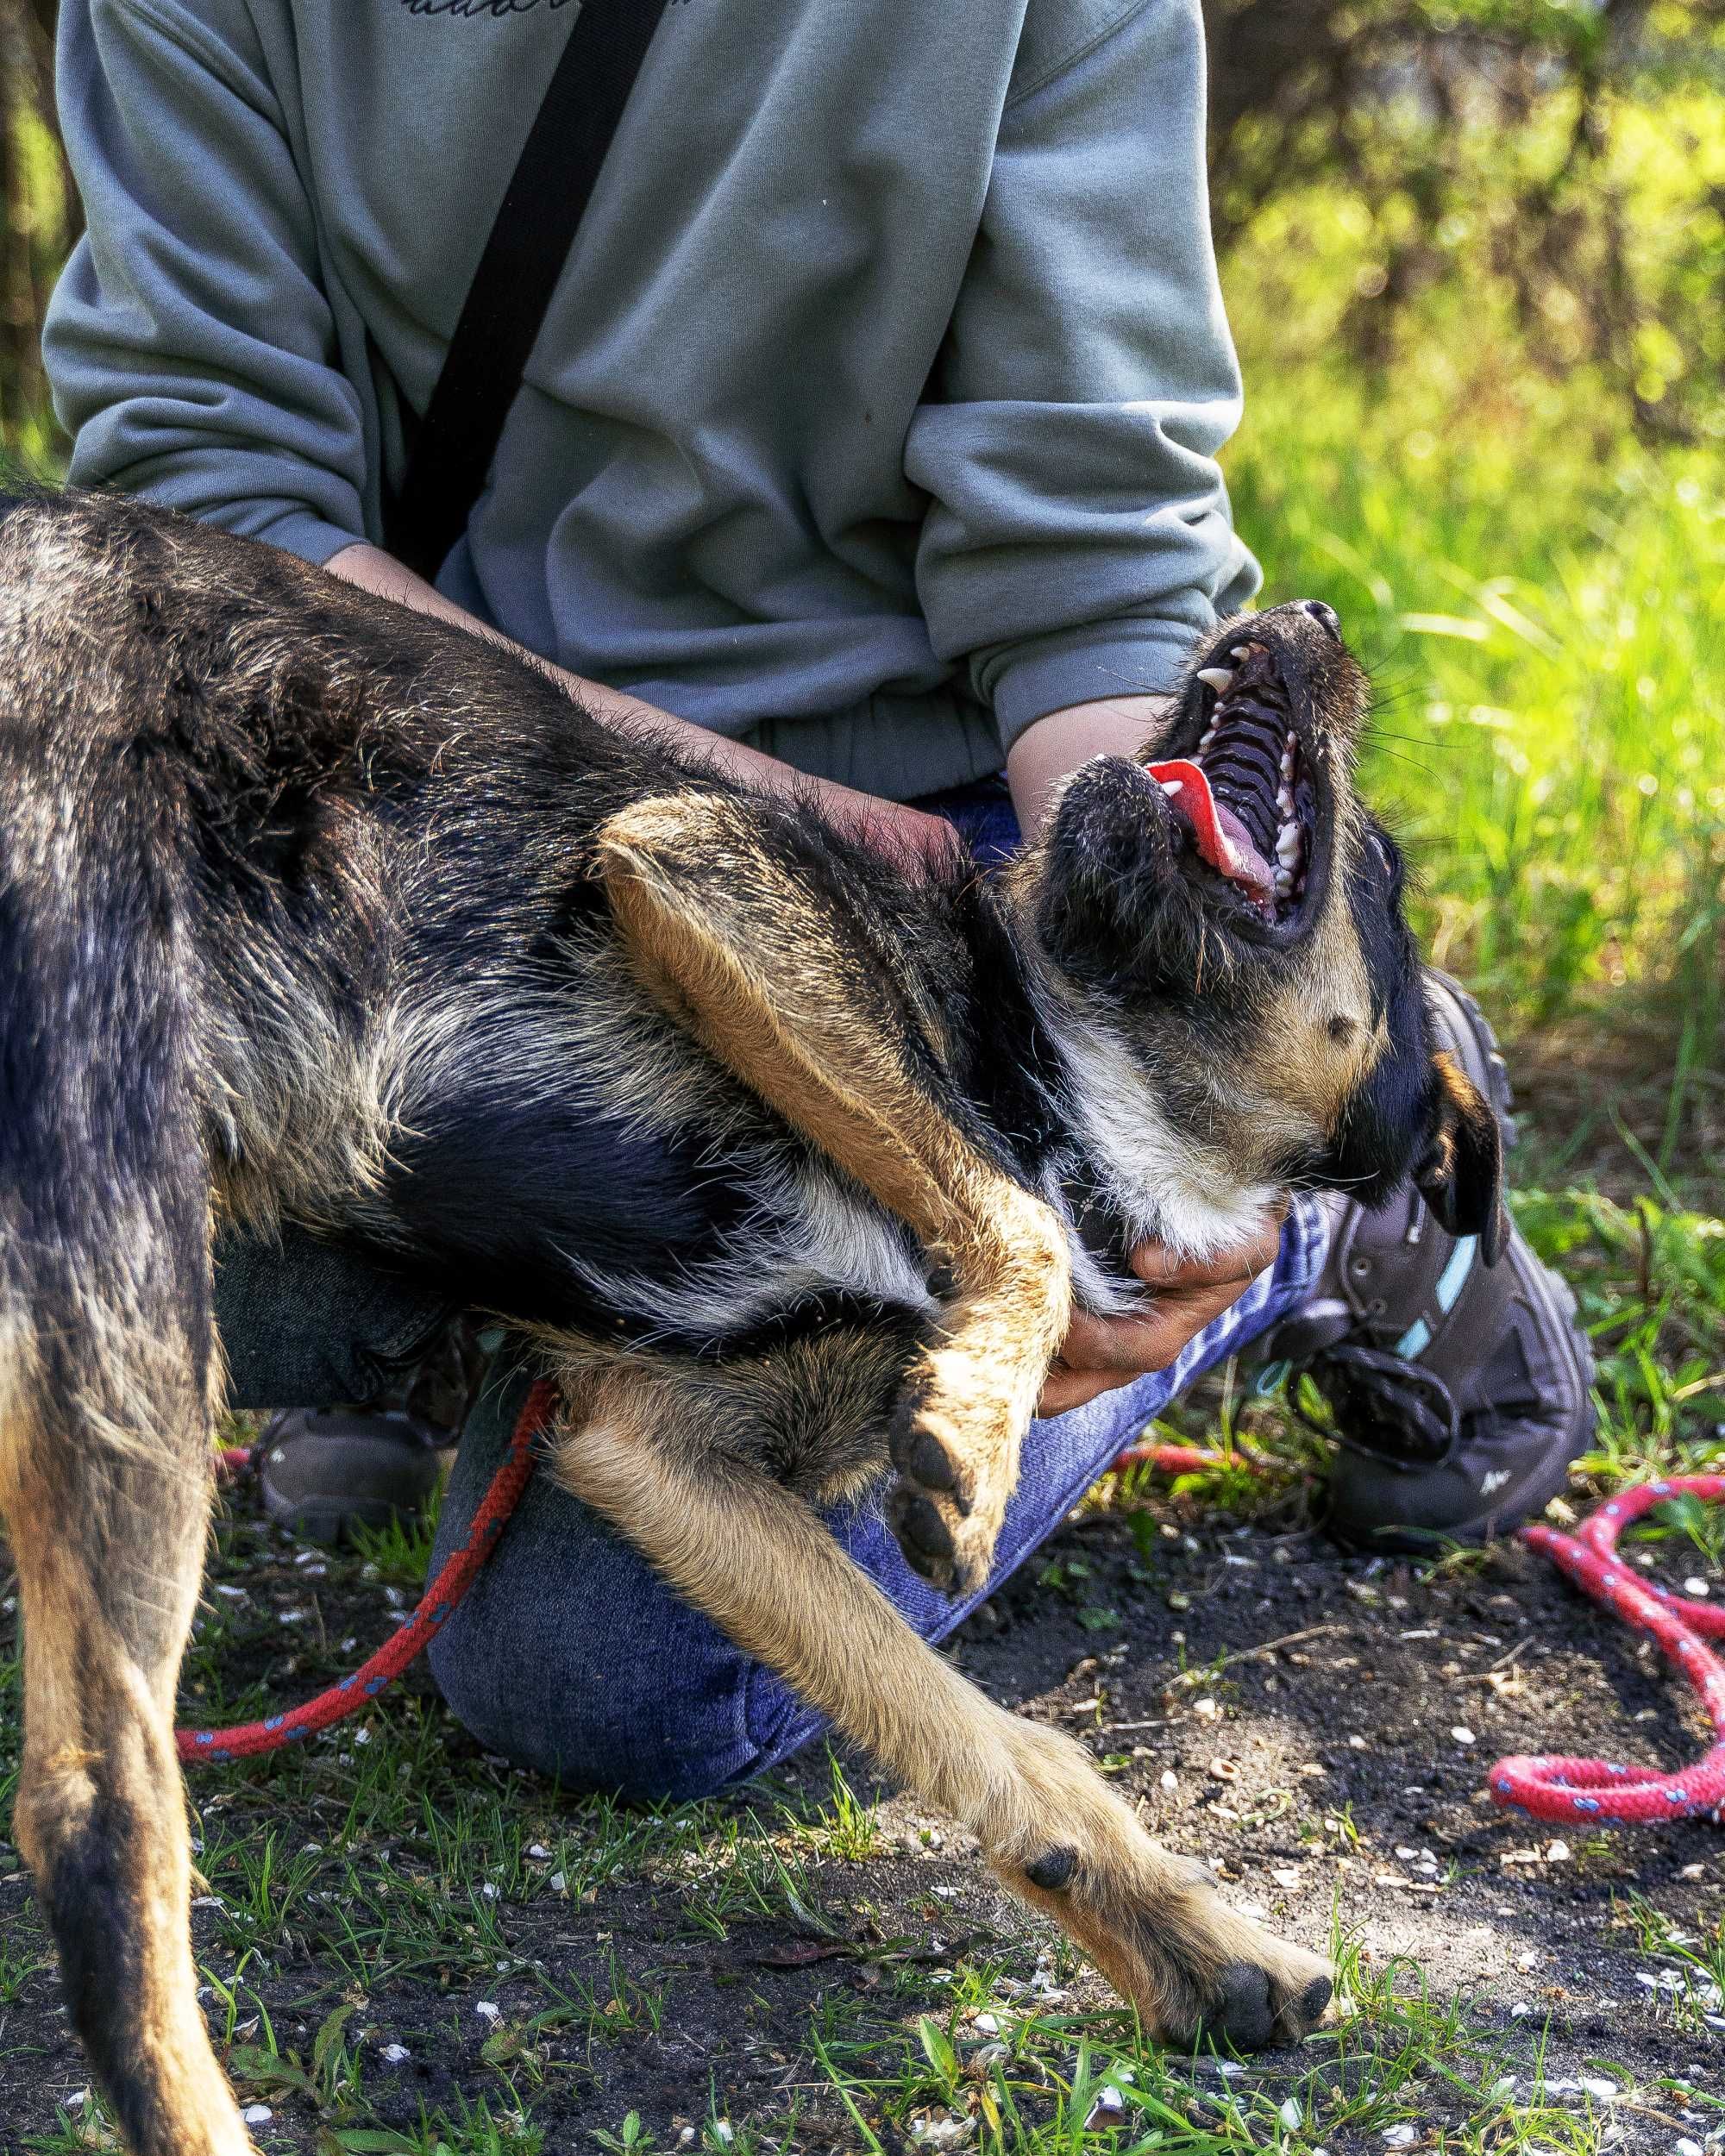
(876, 410)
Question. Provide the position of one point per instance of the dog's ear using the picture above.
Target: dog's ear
(1460, 1174)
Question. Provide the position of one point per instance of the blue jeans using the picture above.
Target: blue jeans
(572, 1656)
(569, 1654)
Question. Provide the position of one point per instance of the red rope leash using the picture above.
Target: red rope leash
(1190, 1459)
(1563, 1789)
(1550, 1789)
(455, 1576)
(247, 1739)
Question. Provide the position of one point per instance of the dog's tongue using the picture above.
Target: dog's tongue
(1219, 836)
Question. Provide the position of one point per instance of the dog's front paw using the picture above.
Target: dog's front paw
(957, 1464)
(1197, 1970)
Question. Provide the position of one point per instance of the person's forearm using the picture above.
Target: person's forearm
(1048, 751)
(374, 570)
(885, 825)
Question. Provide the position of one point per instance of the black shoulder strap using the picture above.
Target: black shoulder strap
(541, 213)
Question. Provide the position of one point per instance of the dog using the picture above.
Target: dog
(790, 1159)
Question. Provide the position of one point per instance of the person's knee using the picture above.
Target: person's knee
(634, 1727)
(570, 1656)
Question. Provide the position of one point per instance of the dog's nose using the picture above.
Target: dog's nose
(1325, 616)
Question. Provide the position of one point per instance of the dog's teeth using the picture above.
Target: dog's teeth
(1221, 679)
(1210, 735)
(1284, 801)
(1170, 786)
(1288, 845)
(1284, 884)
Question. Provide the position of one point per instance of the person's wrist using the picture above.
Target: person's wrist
(1052, 746)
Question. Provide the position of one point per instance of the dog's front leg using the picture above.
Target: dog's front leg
(761, 967)
(753, 1557)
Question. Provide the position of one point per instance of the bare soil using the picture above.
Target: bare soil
(1297, 1718)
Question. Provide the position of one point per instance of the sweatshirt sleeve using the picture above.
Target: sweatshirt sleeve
(1078, 536)
(190, 345)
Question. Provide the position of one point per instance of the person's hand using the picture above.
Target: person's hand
(1100, 1354)
(908, 837)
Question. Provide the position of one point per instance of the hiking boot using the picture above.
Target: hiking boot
(1461, 1392)
(323, 1471)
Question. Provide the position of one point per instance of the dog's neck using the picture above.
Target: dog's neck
(1081, 1119)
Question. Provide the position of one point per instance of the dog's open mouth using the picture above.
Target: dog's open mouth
(1246, 794)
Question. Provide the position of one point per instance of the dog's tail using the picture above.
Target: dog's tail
(106, 1356)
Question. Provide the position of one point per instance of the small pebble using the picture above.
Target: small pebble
(487, 2010)
(260, 2115)
(988, 2023)
(1557, 1853)
(1170, 1780)
(1402, 2136)
(1696, 1585)
(1291, 2115)
(395, 2053)
(1462, 1734)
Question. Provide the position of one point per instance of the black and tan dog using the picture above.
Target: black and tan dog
(311, 908)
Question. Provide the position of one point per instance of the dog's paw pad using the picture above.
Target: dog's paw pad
(935, 1537)
(1052, 1871)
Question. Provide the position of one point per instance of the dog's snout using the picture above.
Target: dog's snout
(1325, 616)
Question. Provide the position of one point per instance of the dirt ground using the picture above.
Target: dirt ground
(1318, 1727)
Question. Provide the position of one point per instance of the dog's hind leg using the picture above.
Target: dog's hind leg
(107, 1367)
(746, 953)
(752, 1556)
(104, 1487)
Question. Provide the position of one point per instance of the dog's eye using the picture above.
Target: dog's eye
(1389, 861)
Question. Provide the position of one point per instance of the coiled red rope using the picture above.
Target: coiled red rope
(1605, 1790)
(455, 1577)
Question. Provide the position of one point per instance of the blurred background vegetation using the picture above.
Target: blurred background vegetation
(1475, 257)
